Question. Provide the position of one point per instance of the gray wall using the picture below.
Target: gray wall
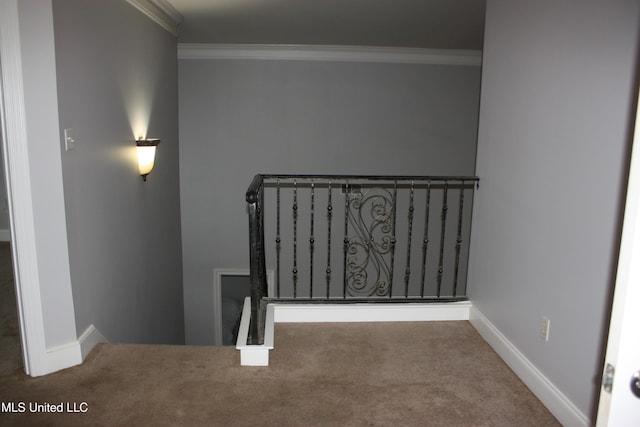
(242, 117)
(117, 80)
(555, 116)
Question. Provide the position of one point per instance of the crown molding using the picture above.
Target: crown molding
(161, 12)
(330, 53)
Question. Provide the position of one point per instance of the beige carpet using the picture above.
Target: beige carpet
(358, 374)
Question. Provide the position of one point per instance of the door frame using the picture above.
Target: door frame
(617, 406)
(19, 194)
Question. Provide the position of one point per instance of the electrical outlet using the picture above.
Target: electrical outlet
(544, 328)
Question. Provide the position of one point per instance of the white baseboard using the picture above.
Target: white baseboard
(73, 353)
(89, 339)
(63, 357)
(325, 313)
(5, 236)
(555, 401)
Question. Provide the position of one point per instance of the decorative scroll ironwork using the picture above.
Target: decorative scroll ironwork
(369, 249)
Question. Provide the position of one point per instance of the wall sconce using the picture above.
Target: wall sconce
(146, 155)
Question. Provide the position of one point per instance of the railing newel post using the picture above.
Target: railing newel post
(257, 275)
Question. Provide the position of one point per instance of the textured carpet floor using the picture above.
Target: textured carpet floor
(358, 374)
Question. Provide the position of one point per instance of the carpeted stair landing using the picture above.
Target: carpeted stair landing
(355, 374)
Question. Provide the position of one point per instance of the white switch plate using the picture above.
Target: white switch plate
(69, 142)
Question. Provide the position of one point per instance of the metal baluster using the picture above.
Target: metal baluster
(407, 271)
(295, 239)
(458, 240)
(329, 217)
(346, 237)
(442, 233)
(393, 235)
(278, 238)
(311, 241)
(425, 238)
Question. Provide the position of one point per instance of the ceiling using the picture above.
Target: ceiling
(429, 24)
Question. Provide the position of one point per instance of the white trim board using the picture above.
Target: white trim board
(161, 12)
(332, 313)
(254, 355)
(20, 198)
(89, 339)
(73, 353)
(550, 396)
(330, 53)
(64, 356)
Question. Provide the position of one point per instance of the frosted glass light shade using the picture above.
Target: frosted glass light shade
(146, 155)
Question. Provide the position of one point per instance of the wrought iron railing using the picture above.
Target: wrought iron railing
(356, 238)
